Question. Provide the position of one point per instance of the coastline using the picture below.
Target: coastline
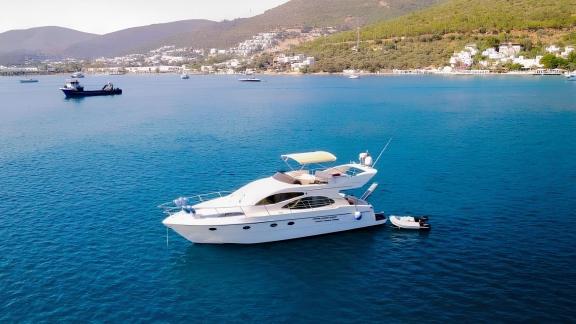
(268, 73)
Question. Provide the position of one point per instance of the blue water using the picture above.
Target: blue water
(492, 160)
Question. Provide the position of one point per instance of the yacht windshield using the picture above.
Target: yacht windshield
(274, 199)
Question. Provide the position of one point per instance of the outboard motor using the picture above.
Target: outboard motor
(423, 222)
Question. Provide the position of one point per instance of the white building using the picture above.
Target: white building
(471, 48)
(509, 49)
(528, 63)
(461, 58)
(492, 54)
(553, 49)
(18, 69)
(567, 51)
(207, 69)
(297, 62)
(464, 58)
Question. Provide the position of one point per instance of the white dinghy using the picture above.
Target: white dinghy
(410, 222)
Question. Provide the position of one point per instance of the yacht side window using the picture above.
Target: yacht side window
(274, 199)
(310, 202)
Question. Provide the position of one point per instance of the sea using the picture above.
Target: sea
(490, 160)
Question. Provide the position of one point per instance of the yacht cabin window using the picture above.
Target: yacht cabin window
(310, 202)
(274, 199)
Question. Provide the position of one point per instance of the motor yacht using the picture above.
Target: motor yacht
(287, 205)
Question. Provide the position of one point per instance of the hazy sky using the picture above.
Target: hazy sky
(103, 16)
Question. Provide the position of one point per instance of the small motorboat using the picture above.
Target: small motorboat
(184, 76)
(353, 76)
(251, 79)
(77, 75)
(29, 81)
(73, 89)
(571, 76)
(410, 222)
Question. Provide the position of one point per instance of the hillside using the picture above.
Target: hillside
(137, 39)
(338, 13)
(429, 36)
(321, 13)
(203, 33)
(16, 45)
(49, 40)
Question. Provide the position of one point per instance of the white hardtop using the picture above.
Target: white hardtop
(310, 157)
(342, 177)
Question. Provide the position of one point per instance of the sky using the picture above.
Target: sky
(104, 16)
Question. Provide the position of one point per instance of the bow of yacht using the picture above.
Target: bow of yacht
(287, 205)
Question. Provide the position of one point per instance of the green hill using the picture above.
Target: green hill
(429, 36)
(336, 12)
(206, 34)
(298, 13)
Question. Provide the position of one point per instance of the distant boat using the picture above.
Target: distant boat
(353, 76)
(252, 79)
(77, 75)
(570, 75)
(184, 76)
(29, 81)
(73, 89)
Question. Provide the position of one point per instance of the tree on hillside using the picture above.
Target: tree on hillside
(551, 61)
(571, 61)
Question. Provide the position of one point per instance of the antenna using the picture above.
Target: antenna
(384, 149)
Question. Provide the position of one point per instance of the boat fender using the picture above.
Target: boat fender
(357, 215)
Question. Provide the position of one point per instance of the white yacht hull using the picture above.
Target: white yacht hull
(286, 228)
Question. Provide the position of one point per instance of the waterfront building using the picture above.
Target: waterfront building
(510, 49)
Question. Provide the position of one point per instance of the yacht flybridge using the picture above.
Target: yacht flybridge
(292, 204)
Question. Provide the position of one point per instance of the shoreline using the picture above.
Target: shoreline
(268, 73)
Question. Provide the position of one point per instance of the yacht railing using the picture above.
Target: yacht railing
(180, 203)
(186, 204)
